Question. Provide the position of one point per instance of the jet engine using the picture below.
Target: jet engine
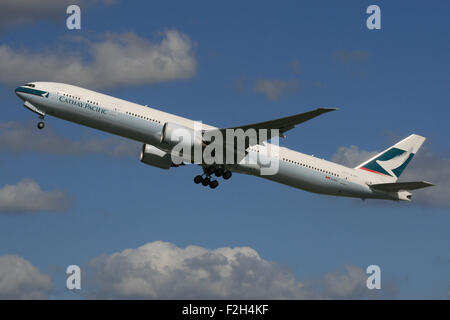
(404, 195)
(181, 140)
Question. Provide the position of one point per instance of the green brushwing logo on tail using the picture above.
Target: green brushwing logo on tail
(391, 163)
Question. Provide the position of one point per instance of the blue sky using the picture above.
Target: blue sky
(387, 84)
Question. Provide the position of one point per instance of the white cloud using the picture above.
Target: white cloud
(352, 156)
(21, 280)
(18, 138)
(432, 168)
(424, 166)
(350, 283)
(27, 197)
(161, 270)
(273, 89)
(117, 60)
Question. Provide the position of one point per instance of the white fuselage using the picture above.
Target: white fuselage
(144, 124)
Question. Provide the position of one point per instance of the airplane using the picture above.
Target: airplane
(375, 178)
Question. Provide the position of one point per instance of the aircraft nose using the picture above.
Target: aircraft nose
(19, 92)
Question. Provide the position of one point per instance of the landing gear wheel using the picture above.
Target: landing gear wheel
(214, 184)
(219, 172)
(198, 179)
(227, 174)
(206, 181)
(41, 125)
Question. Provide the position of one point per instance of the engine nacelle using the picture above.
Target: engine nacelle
(183, 138)
(404, 195)
(155, 157)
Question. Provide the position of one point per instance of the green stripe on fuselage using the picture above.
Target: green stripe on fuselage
(32, 91)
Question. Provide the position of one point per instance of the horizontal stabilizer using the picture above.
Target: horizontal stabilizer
(397, 186)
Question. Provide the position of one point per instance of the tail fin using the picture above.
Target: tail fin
(391, 162)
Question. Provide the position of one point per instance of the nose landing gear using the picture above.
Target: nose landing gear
(41, 124)
(38, 111)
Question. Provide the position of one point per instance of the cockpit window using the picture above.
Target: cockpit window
(30, 85)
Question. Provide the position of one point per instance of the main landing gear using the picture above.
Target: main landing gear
(205, 178)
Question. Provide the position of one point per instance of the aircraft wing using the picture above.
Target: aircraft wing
(397, 186)
(282, 124)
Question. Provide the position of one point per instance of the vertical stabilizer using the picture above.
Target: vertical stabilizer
(391, 162)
